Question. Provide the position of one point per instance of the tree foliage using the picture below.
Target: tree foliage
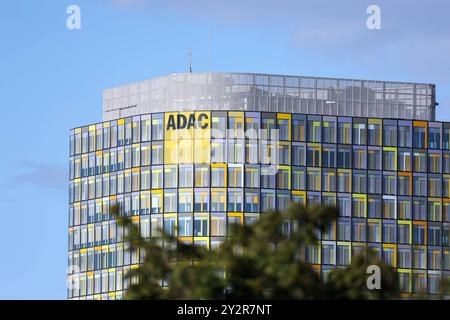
(259, 261)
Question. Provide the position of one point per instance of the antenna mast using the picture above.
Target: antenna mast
(190, 59)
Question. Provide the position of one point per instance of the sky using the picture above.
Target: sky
(51, 80)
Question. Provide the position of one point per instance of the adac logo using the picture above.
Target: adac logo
(183, 122)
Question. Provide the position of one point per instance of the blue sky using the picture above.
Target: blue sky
(52, 79)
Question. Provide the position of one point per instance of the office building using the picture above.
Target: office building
(191, 153)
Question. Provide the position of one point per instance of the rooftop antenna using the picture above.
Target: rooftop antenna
(190, 59)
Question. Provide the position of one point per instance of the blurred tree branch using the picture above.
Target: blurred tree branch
(259, 261)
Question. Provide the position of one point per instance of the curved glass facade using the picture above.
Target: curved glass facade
(195, 173)
(271, 93)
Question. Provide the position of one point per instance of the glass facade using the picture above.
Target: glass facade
(194, 173)
(272, 93)
(193, 153)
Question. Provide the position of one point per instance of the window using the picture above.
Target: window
(434, 162)
(329, 180)
(343, 230)
(419, 137)
(201, 176)
(358, 207)
(343, 203)
(170, 176)
(390, 135)
(419, 185)
(404, 185)
(185, 226)
(359, 182)
(419, 259)
(185, 201)
(404, 259)
(156, 203)
(419, 234)
(200, 226)
(329, 157)
(298, 155)
(420, 209)
(145, 154)
(374, 231)
(268, 177)
(359, 133)
(434, 138)
(344, 132)
(434, 210)
(374, 134)
(389, 234)
(157, 127)
(388, 208)
(313, 156)
(404, 136)
(283, 178)
(236, 151)
(106, 137)
(445, 162)
(359, 231)
(404, 234)
(343, 255)
(446, 139)
(251, 152)
(446, 186)
(374, 207)
(185, 175)
(170, 226)
(218, 151)
(268, 125)
(374, 182)
(146, 130)
(218, 200)
(284, 155)
(170, 201)
(157, 153)
(283, 129)
(328, 254)
(251, 201)
(235, 177)
(389, 184)
(314, 179)
(201, 200)
(298, 178)
(344, 158)
(312, 254)
(267, 200)
(157, 177)
(359, 158)
(389, 256)
(329, 131)
(218, 225)
(344, 181)
(298, 129)
(218, 177)
(434, 186)
(314, 130)
(374, 159)
(404, 209)
(252, 125)
(434, 236)
(218, 125)
(389, 160)
(404, 160)
(234, 201)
